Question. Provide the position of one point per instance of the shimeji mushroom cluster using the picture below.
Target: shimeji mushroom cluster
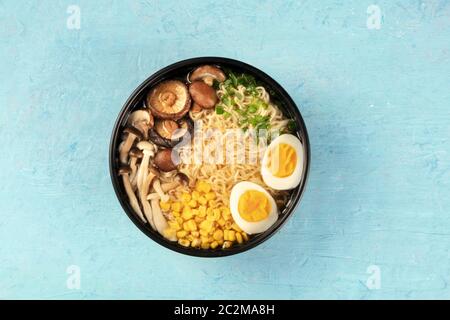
(148, 161)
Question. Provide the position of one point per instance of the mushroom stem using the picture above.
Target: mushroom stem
(165, 187)
(153, 196)
(143, 191)
(132, 197)
(148, 151)
(125, 148)
(125, 173)
(143, 169)
(132, 135)
(133, 168)
(159, 220)
(157, 186)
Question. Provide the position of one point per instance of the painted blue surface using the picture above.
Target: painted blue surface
(376, 103)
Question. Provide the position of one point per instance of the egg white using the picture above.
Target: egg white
(251, 227)
(294, 179)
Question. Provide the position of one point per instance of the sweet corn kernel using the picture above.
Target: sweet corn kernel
(195, 212)
(218, 235)
(202, 211)
(225, 211)
(202, 200)
(225, 234)
(192, 225)
(205, 245)
(206, 225)
(195, 195)
(198, 219)
(190, 237)
(210, 217)
(174, 225)
(231, 235)
(165, 206)
(169, 233)
(220, 242)
(204, 239)
(179, 220)
(203, 186)
(187, 213)
(216, 214)
(235, 227)
(195, 242)
(184, 242)
(185, 197)
(176, 214)
(212, 203)
(244, 236)
(214, 244)
(239, 237)
(227, 244)
(176, 206)
(221, 222)
(228, 224)
(192, 203)
(206, 187)
(182, 234)
(186, 226)
(204, 232)
(195, 234)
(210, 196)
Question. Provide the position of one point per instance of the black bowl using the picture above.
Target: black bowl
(177, 70)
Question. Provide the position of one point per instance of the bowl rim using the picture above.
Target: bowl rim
(130, 104)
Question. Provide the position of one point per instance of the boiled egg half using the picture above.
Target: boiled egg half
(253, 209)
(282, 163)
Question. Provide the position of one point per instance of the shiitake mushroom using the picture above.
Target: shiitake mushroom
(207, 74)
(166, 160)
(166, 128)
(168, 133)
(169, 100)
(203, 95)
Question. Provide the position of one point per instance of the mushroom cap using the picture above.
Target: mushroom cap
(185, 125)
(136, 153)
(133, 131)
(169, 100)
(165, 128)
(145, 146)
(203, 95)
(158, 140)
(124, 170)
(166, 160)
(161, 137)
(141, 120)
(182, 177)
(196, 108)
(139, 116)
(207, 71)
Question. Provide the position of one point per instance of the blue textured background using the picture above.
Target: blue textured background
(376, 103)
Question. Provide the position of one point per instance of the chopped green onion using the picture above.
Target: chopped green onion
(219, 109)
(291, 125)
(252, 108)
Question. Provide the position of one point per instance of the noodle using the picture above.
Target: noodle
(223, 176)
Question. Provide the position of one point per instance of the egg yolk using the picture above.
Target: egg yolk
(254, 206)
(282, 160)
